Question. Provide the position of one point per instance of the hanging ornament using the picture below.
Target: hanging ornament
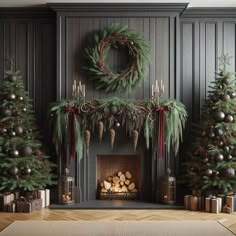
(229, 118)
(4, 130)
(229, 172)
(21, 98)
(12, 78)
(27, 170)
(205, 160)
(7, 112)
(14, 153)
(117, 124)
(100, 130)
(113, 110)
(24, 109)
(227, 81)
(226, 148)
(219, 131)
(12, 133)
(19, 130)
(13, 170)
(11, 96)
(233, 95)
(26, 151)
(219, 143)
(208, 172)
(225, 97)
(229, 157)
(211, 134)
(219, 157)
(219, 115)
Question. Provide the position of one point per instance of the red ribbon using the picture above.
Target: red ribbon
(71, 129)
(161, 130)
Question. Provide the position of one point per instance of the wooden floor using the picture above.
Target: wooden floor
(228, 220)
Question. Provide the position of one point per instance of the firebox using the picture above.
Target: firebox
(118, 177)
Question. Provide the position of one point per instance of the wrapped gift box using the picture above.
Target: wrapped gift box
(231, 202)
(5, 199)
(27, 206)
(44, 194)
(23, 206)
(194, 203)
(213, 204)
(223, 200)
(187, 202)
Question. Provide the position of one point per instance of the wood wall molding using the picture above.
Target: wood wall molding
(213, 12)
(42, 13)
(144, 8)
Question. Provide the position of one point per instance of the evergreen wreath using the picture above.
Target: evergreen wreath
(117, 36)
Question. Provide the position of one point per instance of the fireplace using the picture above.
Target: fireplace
(118, 177)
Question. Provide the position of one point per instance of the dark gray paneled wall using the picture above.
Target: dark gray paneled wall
(202, 42)
(28, 37)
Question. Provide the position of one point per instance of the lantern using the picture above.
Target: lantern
(168, 188)
(66, 188)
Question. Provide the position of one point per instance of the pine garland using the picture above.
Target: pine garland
(117, 36)
(139, 116)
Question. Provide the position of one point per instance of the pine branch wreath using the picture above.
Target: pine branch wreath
(117, 36)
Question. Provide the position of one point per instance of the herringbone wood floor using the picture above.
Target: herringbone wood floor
(229, 221)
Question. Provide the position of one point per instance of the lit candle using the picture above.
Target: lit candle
(84, 90)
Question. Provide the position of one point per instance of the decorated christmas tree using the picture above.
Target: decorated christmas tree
(212, 162)
(23, 166)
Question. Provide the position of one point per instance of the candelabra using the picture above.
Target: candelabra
(157, 90)
(78, 92)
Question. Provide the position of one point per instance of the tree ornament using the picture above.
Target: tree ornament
(12, 78)
(219, 143)
(211, 134)
(117, 124)
(219, 157)
(205, 160)
(21, 98)
(99, 71)
(219, 131)
(24, 109)
(12, 133)
(14, 153)
(14, 170)
(229, 172)
(7, 112)
(227, 81)
(226, 148)
(4, 130)
(229, 157)
(19, 130)
(27, 171)
(229, 118)
(219, 115)
(11, 96)
(233, 95)
(208, 172)
(26, 151)
(225, 97)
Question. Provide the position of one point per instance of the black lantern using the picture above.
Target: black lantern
(66, 188)
(168, 188)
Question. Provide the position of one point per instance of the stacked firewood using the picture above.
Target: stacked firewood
(119, 183)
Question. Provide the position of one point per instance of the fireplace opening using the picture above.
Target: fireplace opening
(118, 177)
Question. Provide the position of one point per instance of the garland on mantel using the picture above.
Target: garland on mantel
(73, 122)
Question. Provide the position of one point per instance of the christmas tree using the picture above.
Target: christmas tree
(212, 162)
(23, 166)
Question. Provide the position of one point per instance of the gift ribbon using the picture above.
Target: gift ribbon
(71, 129)
(161, 130)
